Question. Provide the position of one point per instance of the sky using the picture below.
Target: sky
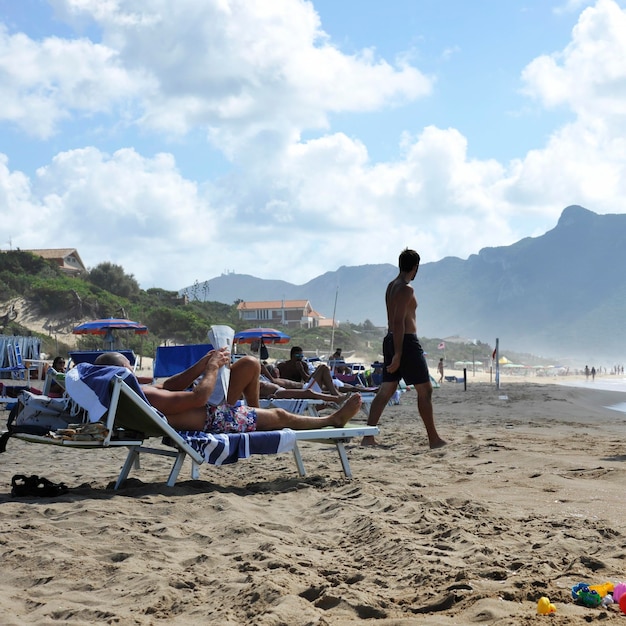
(285, 138)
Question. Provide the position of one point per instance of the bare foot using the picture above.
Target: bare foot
(349, 409)
(369, 440)
(439, 443)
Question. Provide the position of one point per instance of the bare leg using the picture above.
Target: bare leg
(323, 378)
(244, 381)
(309, 394)
(275, 419)
(385, 392)
(425, 408)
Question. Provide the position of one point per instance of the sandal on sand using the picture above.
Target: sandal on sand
(25, 486)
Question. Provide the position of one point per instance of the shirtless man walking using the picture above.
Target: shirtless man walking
(403, 355)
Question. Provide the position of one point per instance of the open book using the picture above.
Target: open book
(221, 337)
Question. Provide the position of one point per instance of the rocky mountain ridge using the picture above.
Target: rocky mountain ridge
(561, 293)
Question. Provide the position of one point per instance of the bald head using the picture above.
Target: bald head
(113, 358)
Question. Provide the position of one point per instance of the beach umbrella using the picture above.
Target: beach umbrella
(106, 326)
(263, 335)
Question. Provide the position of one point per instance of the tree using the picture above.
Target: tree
(111, 277)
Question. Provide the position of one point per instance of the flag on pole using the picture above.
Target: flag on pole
(441, 346)
(493, 356)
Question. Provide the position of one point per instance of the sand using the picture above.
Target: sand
(527, 500)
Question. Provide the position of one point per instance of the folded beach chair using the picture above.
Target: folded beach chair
(17, 368)
(129, 420)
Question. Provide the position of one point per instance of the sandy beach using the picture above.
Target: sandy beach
(526, 501)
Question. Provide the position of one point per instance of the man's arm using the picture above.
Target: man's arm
(182, 380)
(173, 401)
(303, 370)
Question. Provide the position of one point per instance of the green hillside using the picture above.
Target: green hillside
(57, 303)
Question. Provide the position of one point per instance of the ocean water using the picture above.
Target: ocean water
(603, 384)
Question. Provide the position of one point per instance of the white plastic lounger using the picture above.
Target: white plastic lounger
(130, 420)
(129, 411)
(332, 436)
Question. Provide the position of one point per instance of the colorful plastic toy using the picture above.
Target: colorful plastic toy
(581, 593)
(545, 607)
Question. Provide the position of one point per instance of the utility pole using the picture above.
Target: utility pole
(332, 334)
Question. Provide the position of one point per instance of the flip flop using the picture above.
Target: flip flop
(25, 486)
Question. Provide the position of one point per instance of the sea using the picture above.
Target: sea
(617, 384)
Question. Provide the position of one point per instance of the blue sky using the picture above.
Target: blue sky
(284, 138)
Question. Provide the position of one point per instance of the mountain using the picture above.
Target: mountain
(563, 293)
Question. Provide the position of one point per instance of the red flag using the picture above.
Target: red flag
(441, 346)
(493, 356)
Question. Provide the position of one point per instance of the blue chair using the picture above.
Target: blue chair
(170, 360)
(89, 356)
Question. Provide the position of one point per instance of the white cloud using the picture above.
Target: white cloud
(43, 83)
(589, 75)
(242, 69)
(584, 161)
(256, 75)
(571, 6)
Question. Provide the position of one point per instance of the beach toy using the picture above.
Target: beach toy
(618, 591)
(602, 589)
(608, 599)
(545, 607)
(581, 593)
(622, 603)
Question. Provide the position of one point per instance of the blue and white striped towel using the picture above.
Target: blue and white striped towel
(90, 387)
(220, 449)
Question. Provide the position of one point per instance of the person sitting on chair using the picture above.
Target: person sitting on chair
(58, 365)
(268, 389)
(296, 369)
(190, 409)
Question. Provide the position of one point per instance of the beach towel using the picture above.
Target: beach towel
(90, 387)
(221, 449)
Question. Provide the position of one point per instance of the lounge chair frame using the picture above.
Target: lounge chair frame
(130, 420)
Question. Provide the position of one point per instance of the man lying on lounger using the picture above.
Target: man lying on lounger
(189, 409)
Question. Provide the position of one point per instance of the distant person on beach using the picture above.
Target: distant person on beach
(269, 374)
(440, 369)
(190, 409)
(268, 389)
(58, 365)
(296, 369)
(403, 354)
(336, 363)
(321, 380)
(593, 373)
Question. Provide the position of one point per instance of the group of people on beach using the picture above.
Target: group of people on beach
(184, 397)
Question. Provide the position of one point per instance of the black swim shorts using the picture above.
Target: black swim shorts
(413, 366)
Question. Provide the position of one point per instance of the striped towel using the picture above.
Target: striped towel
(90, 387)
(220, 449)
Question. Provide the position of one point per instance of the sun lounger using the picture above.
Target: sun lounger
(329, 436)
(332, 436)
(130, 420)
